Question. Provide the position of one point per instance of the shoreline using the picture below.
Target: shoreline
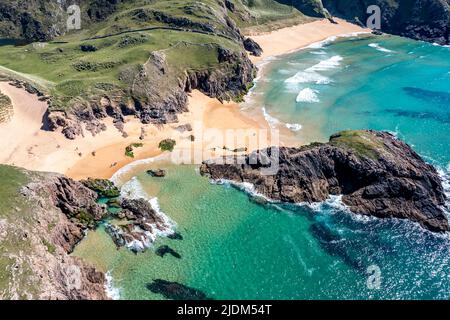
(103, 155)
(291, 39)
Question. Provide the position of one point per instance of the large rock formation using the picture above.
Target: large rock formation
(158, 104)
(427, 20)
(376, 174)
(42, 218)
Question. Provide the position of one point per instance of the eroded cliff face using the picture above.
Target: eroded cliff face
(38, 230)
(427, 20)
(375, 173)
(157, 92)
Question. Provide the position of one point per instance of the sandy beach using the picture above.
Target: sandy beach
(290, 39)
(215, 125)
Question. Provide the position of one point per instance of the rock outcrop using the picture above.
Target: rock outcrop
(375, 173)
(142, 224)
(40, 231)
(254, 48)
(157, 104)
(427, 20)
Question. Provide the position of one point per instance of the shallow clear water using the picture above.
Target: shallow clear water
(234, 248)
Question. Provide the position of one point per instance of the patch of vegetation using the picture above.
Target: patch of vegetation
(267, 15)
(104, 188)
(167, 145)
(94, 66)
(50, 246)
(86, 219)
(13, 179)
(17, 214)
(129, 150)
(6, 108)
(362, 143)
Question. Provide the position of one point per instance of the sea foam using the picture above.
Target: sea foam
(272, 121)
(327, 64)
(307, 77)
(379, 48)
(307, 95)
(133, 189)
(294, 126)
(117, 177)
(112, 292)
(312, 73)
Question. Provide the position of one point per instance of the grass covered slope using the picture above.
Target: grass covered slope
(139, 58)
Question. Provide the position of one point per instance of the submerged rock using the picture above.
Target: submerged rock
(159, 173)
(175, 290)
(163, 250)
(175, 236)
(377, 175)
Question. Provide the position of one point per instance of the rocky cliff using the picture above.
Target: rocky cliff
(42, 218)
(427, 20)
(40, 20)
(375, 173)
(230, 79)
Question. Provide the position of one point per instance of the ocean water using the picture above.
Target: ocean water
(236, 248)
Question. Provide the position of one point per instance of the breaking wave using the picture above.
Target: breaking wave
(307, 95)
(111, 291)
(133, 190)
(312, 73)
(379, 48)
(294, 126)
(118, 176)
(272, 121)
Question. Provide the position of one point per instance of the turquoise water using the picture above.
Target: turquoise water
(235, 248)
(399, 85)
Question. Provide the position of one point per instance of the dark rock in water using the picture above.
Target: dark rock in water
(175, 236)
(251, 46)
(143, 226)
(105, 188)
(335, 245)
(258, 200)
(116, 235)
(377, 32)
(439, 97)
(163, 250)
(175, 290)
(159, 173)
(376, 174)
(141, 209)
